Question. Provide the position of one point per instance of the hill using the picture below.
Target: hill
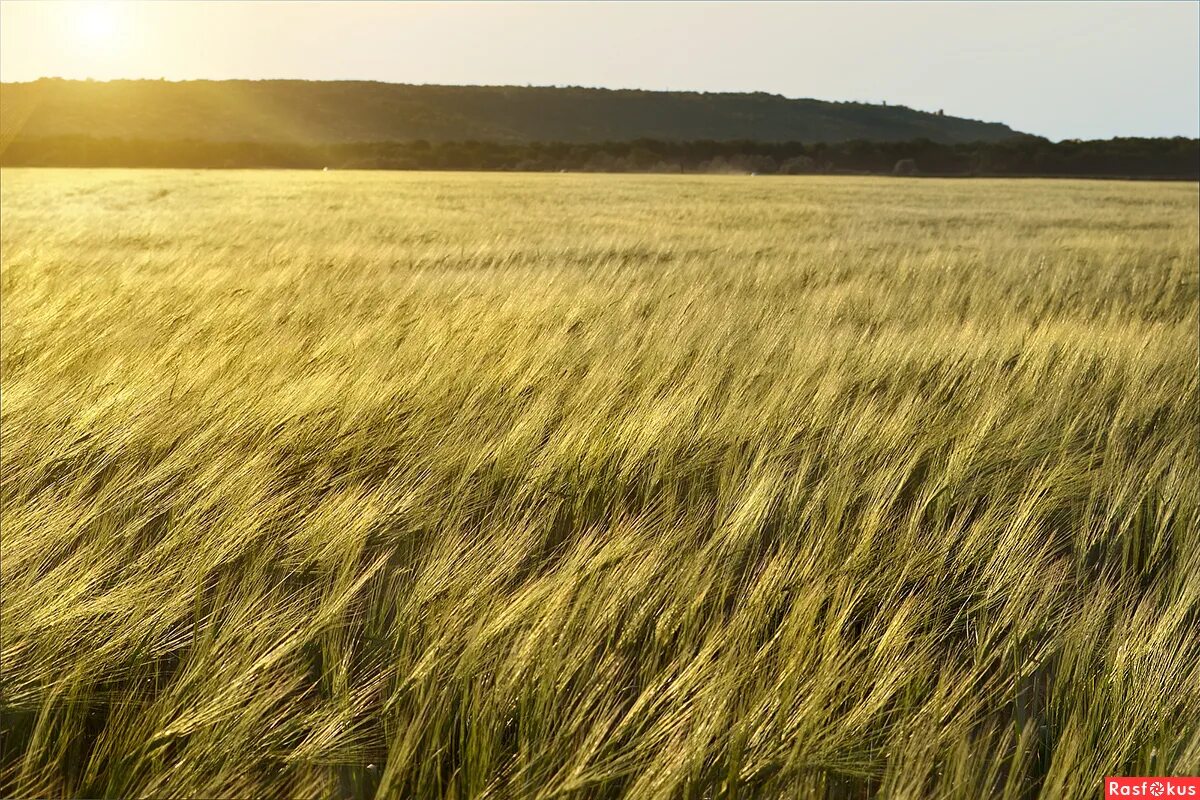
(331, 112)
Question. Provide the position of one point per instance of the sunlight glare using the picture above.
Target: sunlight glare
(96, 21)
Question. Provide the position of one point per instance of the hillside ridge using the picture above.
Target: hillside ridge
(331, 112)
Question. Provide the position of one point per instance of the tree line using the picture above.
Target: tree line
(1174, 158)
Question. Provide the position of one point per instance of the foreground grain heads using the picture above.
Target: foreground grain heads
(589, 486)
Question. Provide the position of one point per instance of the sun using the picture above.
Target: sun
(96, 22)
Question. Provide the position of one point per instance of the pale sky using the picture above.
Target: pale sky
(1062, 70)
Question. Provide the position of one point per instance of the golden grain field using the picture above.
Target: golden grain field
(563, 486)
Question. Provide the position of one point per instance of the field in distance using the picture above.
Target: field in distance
(422, 485)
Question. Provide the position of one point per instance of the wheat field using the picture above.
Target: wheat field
(561, 486)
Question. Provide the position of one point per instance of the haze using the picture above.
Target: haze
(1078, 70)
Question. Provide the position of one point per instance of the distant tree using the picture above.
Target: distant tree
(1177, 158)
(754, 163)
(798, 165)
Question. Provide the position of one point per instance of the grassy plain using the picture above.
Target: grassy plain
(449, 485)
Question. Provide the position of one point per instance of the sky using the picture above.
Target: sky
(1062, 70)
